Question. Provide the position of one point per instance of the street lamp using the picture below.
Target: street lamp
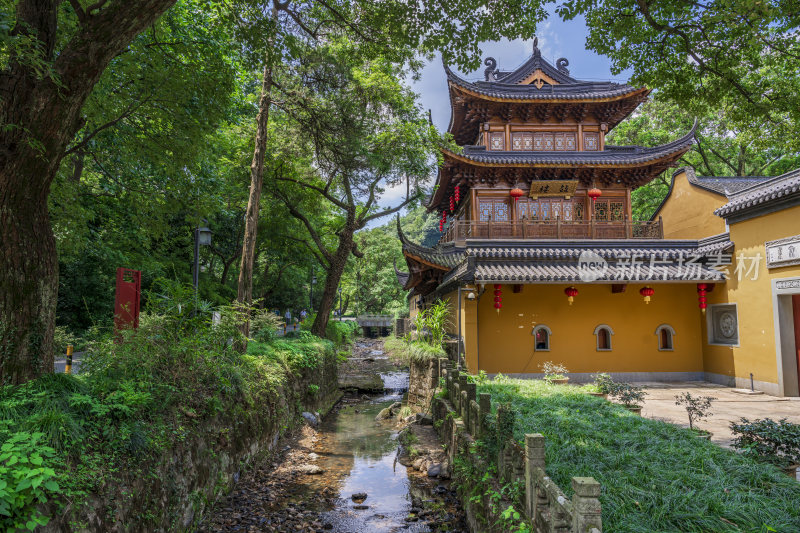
(202, 237)
(340, 304)
(313, 282)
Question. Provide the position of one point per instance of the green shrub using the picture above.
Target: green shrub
(27, 478)
(604, 383)
(655, 476)
(432, 322)
(776, 442)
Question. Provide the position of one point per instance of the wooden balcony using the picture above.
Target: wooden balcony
(460, 230)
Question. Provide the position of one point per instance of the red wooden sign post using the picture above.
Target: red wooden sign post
(126, 302)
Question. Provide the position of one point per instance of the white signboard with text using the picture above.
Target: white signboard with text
(783, 252)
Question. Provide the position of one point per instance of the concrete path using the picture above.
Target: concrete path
(728, 407)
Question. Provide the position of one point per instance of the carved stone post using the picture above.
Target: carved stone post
(464, 403)
(462, 386)
(452, 386)
(534, 458)
(485, 407)
(586, 512)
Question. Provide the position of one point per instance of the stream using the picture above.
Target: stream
(349, 453)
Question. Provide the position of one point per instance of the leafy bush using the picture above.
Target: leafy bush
(697, 407)
(432, 322)
(27, 479)
(604, 383)
(264, 325)
(777, 442)
(553, 371)
(629, 395)
(655, 476)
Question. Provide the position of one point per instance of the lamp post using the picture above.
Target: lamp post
(202, 237)
(340, 304)
(313, 281)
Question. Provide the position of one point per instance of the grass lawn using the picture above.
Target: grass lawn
(655, 477)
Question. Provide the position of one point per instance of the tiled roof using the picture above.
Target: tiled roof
(555, 271)
(402, 277)
(446, 256)
(723, 185)
(714, 244)
(779, 190)
(565, 250)
(612, 155)
(511, 90)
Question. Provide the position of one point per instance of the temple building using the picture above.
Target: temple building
(540, 258)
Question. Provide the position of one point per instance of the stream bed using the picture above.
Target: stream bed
(319, 482)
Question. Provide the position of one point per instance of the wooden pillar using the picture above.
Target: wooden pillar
(508, 137)
(580, 137)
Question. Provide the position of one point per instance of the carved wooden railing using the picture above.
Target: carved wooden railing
(461, 417)
(459, 230)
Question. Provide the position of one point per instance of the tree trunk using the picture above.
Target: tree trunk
(245, 289)
(334, 274)
(39, 118)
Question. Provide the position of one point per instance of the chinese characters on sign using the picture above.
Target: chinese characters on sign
(565, 188)
(783, 252)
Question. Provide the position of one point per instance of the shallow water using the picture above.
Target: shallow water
(357, 454)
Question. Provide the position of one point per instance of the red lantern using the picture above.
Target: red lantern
(701, 296)
(571, 293)
(458, 193)
(516, 193)
(594, 193)
(452, 204)
(647, 292)
(498, 297)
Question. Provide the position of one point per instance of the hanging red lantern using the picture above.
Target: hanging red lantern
(647, 292)
(498, 297)
(701, 296)
(516, 193)
(594, 193)
(571, 293)
(452, 204)
(458, 193)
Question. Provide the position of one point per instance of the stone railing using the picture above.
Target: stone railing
(462, 417)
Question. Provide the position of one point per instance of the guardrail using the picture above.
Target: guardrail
(554, 229)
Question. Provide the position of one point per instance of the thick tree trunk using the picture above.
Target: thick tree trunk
(334, 274)
(39, 117)
(245, 288)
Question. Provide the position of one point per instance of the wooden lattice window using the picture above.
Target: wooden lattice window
(522, 141)
(591, 141)
(497, 141)
(564, 142)
(600, 210)
(495, 209)
(617, 211)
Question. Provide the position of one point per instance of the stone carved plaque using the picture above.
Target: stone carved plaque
(783, 252)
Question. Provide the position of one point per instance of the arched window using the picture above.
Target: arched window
(541, 338)
(603, 334)
(666, 338)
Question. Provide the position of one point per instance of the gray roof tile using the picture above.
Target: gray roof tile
(780, 188)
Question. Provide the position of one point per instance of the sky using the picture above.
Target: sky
(557, 38)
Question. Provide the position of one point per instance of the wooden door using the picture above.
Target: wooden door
(796, 312)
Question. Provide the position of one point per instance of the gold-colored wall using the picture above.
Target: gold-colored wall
(688, 213)
(756, 352)
(506, 344)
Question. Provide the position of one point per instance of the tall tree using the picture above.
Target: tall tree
(395, 30)
(53, 55)
(366, 133)
(740, 56)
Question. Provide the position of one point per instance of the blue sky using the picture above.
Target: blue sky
(557, 38)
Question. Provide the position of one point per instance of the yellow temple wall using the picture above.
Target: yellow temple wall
(688, 213)
(506, 345)
(756, 352)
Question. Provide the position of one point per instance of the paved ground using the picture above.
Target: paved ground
(729, 406)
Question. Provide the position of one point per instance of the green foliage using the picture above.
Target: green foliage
(655, 476)
(777, 442)
(264, 325)
(27, 478)
(432, 322)
(630, 395)
(553, 371)
(141, 392)
(697, 407)
(604, 383)
(412, 350)
(734, 57)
